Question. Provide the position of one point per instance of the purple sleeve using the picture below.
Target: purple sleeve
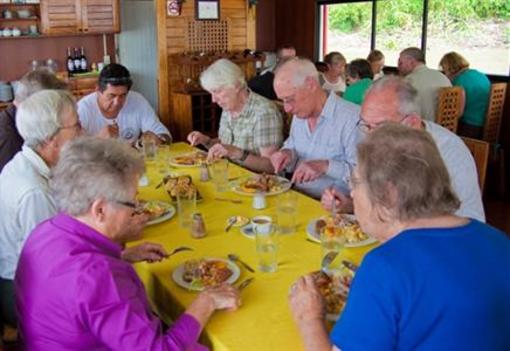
(114, 308)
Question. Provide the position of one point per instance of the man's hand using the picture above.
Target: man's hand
(195, 138)
(223, 150)
(281, 159)
(149, 252)
(332, 198)
(308, 171)
(109, 131)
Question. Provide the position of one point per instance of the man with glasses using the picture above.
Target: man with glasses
(392, 99)
(115, 111)
(321, 147)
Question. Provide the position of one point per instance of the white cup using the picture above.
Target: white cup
(259, 201)
(262, 224)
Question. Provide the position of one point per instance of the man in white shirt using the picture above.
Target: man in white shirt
(46, 120)
(411, 64)
(392, 99)
(115, 111)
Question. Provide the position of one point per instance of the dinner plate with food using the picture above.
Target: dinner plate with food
(158, 211)
(200, 274)
(354, 236)
(266, 184)
(334, 288)
(190, 159)
(182, 184)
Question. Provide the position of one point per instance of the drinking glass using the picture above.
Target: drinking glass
(266, 240)
(219, 170)
(286, 210)
(332, 240)
(149, 150)
(186, 207)
(162, 159)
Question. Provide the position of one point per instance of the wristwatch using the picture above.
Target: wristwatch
(244, 156)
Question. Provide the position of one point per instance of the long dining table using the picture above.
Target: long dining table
(264, 321)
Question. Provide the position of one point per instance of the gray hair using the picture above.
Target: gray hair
(406, 93)
(39, 117)
(91, 168)
(405, 173)
(300, 69)
(222, 73)
(35, 81)
(414, 53)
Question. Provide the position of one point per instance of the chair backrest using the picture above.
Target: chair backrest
(449, 107)
(480, 151)
(287, 118)
(494, 113)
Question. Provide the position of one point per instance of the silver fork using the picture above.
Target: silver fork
(179, 249)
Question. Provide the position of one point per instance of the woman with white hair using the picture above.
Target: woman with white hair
(250, 125)
(437, 282)
(81, 294)
(46, 120)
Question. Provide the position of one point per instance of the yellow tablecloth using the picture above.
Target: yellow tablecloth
(264, 321)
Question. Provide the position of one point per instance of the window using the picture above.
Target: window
(347, 29)
(477, 29)
(398, 26)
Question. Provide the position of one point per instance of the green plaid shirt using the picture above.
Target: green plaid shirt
(258, 125)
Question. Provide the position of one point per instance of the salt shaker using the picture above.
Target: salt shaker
(259, 201)
(197, 226)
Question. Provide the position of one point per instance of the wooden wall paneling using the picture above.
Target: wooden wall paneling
(265, 25)
(163, 81)
(295, 24)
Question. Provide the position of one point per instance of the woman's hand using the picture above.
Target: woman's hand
(149, 252)
(306, 301)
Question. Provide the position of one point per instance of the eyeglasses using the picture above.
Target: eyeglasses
(367, 128)
(133, 205)
(351, 180)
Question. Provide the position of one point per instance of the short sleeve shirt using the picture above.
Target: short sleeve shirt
(135, 117)
(258, 125)
(477, 88)
(356, 92)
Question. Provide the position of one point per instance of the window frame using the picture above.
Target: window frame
(424, 22)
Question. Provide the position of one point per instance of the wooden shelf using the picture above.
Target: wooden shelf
(29, 19)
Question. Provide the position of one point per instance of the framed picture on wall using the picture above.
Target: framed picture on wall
(207, 9)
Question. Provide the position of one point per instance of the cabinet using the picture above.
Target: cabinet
(80, 16)
(22, 16)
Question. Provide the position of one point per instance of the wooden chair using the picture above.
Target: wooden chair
(287, 118)
(480, 151)
(494, 113)
(449, 107)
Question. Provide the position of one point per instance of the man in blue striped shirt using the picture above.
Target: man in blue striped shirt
(321, 148)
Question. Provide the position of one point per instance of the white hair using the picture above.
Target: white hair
(299, 69)
(406, 93)
(222, 73)
(35, 81)
(39, 117)
(92, 168)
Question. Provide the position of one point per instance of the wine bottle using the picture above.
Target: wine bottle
(77, 61)
(84, 62)
(69, 62)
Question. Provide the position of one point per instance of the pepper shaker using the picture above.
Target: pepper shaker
(259, 201)
(204, 173)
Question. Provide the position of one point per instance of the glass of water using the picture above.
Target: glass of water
(219, 170)
(332, 240)
(186, 207)
(266, 240)
(286, 210)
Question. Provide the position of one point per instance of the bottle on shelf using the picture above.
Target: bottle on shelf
(83, 61)
(77, 61)
(69, 62)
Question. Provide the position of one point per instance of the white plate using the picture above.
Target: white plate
(165, 216)
(285, 184)
(172, 162)
(177, 274)
(313, 235)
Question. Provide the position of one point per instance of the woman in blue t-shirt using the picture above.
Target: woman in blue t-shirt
(437, 282)
(477, 89)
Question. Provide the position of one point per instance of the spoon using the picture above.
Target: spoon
(235, 258)
(231, 222)
(327, 259)
(244, 284)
